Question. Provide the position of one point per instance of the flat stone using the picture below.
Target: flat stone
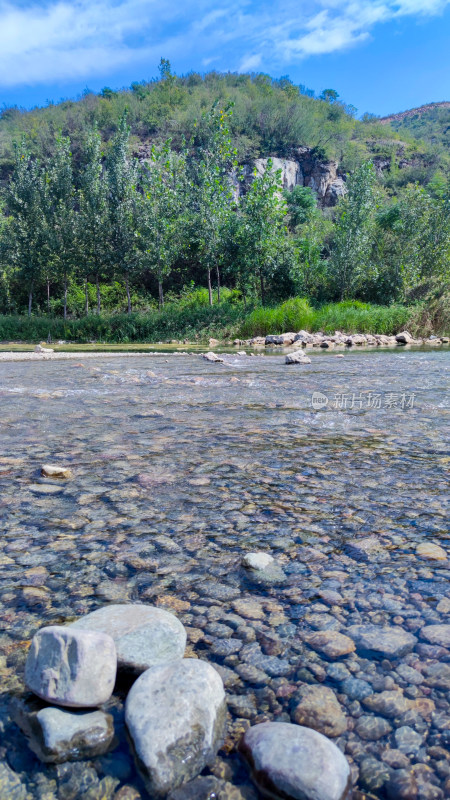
(438, 675)
(257, 561)
(408, 741)
(73, 668)
(331, 643)
(45, 488)
(372, 728)
(432, 551)
(55, 471)
(175, 714)
(437, 634)
(56, 736)
(388, 703)
(319, 709)
(390, 642)
(290, 761)
(356, 689)
(212, 357)
(248, 608)
(144, 636)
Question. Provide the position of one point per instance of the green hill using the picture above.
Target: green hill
(270, 117)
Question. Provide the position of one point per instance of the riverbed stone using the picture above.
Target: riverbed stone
(408, 741)
(257, 561)
(144, 636)
(330, 643)
(56, 735)
(319, 709)
(11, 786)
(175, 714)
(388, 703)
(56, 471)
(388, 641)
(74, 668)
(372, 728)
(404, 337)
(297, 358)
(213, 357)
(437, 634)
(432, 551)
(291, 761)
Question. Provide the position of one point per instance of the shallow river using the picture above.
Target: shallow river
(181, 467)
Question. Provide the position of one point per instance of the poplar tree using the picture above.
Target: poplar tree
(93, 220)
(61, 227)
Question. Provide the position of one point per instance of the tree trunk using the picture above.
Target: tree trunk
(161, 295)
(30, 300)
(218, 283)
(263, 291)
(209, 288)
(98, 294)
(65, 296)
(86, 297)
(127, 287)
(48, 296)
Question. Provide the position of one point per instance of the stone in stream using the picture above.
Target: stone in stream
(71, 667)
(432, 551)
(257, 560)
(403, 338)
(55, 471)
(212, 357)
(437, 634)
(390, 642)
(295, 763)
(319, 709)
(330, 643)
(175, 715)
(56, 736)
(11, 787)
(144, 636)
(297, 358)
(40, 349)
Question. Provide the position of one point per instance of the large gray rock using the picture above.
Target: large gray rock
(297, 358)
(73, 668)
(390, 642)
(144, 636)
(404, 337)
(57, 736)
(175, 715)
(437, 634)
(289, 761)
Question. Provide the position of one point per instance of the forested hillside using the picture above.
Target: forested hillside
(114, 201)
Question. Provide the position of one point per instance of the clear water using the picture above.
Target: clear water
(181, 466)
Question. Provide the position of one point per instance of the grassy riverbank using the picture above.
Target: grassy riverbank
(226, 320)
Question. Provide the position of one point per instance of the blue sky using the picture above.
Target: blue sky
(380, 55)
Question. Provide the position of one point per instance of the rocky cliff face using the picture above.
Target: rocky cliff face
(304, 169)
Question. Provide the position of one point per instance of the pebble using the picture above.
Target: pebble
(371, 728)
(319, 709)
(294, 762)
(11, 787)
(71, 667)
(257, 561)
(144, 636)
(330, 643)
(388, 642)
(175, 715)
(408, 741)
(437, 634)
(55, 471)
(432, 551)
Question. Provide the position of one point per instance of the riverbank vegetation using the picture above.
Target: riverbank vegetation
(86, 227)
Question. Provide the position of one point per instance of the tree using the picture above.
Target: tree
(122, 175)
(26, 235)
(329, 95)
(93, 219)
(212, 190)
(262, 229)
(300, 203)
(161, 212)
(353, 239)
(61, 225)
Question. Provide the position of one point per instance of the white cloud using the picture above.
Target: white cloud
(55, 41)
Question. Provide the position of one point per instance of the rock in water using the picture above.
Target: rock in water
(432, 551)
(71, 667)
(53, 471)
(11, 787)
(40, 349)
(404, 337)
(437, 634)
(295, 763)
(57, 736)
(144, 636)
(175, 714)
(212, 357)
(297, 358)
(390, 642)
(319, 709)
(257, 560)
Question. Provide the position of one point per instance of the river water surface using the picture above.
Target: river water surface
(338, 469)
